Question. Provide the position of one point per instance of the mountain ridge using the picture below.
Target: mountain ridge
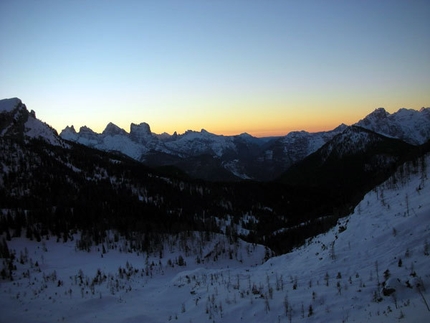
(238, 157)
(245, 156)
(412, 126)
(237, 154)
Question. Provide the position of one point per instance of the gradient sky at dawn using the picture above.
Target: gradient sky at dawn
(262, 67)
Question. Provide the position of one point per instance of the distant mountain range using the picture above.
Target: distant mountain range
(215, 157)
(203, 154)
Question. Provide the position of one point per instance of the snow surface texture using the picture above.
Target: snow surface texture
(34, 128)
(372, 267)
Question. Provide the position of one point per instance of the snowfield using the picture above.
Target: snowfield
(374, 266)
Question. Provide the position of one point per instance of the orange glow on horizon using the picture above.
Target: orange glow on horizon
(238, 121)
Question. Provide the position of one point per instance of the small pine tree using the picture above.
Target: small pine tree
(310, 310)
(286, 304)
(181, 261)
(326, 278)
(426, 248)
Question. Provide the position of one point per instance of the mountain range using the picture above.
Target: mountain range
(216, 157)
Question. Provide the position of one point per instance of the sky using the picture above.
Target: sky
(261, 67)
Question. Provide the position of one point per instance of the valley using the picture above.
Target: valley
(372, 266)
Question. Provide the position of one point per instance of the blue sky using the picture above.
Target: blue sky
(262, 67)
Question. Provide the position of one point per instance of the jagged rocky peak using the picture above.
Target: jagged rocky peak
(85, 130)
(408, 125)
(187, 132)
(380, 112)
(425, 112)
(340, 128)
(206, 134)
(113, 130)
(198, 134)
(377, 115)
(69, 129)
(68, 133)
(141, 132)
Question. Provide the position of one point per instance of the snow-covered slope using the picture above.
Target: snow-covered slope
(352, 141)
(17, 120)
(355, 159)
(193, 143)
(372, 267)
(310, 142)
(296, 145)
(34, 128)
(8, 105)
(408, 125)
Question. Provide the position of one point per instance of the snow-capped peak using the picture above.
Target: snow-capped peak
(19, 121)
(68, 133)
(8, 105)
(408, 125)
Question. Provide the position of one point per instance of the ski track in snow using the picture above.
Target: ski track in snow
(336, 274)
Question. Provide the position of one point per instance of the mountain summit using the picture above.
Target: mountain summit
(408, 125)
(16, 121)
